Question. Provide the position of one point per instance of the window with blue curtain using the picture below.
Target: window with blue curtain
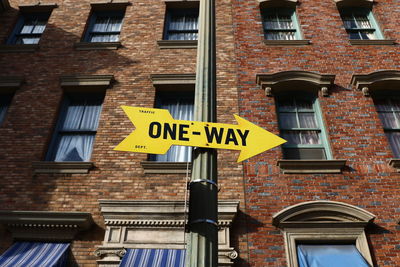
(300, 123)
(29, 28)
(326, 255)
(360, 23)
(389, 112)
(181, 107)
(104, 26)
(280, 24)
(76, 128)
(5, 100)
(181, 24)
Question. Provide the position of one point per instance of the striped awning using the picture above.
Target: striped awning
(154, 258)
(35, 254)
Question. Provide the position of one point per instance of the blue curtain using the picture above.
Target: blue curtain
(78, 129)
(106, 28)
(180, 109)
(330, 256)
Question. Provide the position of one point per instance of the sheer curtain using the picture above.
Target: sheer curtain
(183, 27)
(77, 133)
(106, 29)
(180, 109)
(389, 113)
(330, 256)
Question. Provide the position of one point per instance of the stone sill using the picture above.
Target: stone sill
(98, 46)
(395, 163)
(18, 48)
(372, 42)
(155, 167)
(61, 167)
(177, 44)
(311, 166)
(287, 42)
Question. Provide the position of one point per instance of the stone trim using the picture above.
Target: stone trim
(45, 225)
(311, 166)
(97, 46)
(284, 80)
(9, 84)
(156, 224)
(320, 221)
(152, 167)
(373, 42)
(169, 79)
(4, 5)
(376, 81)
(38, 7)
(395, 163)
(177, 44)
(61, 167)
(18, 48)
(286, 42)
(358, 3)
(82, 82)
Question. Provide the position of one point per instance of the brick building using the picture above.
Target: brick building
(322, 74)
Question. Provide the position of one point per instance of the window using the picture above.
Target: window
(76, 128)
(300, 124)
(104, 26)
(29, 28)
(389, 113)
(181, 107)
(360, 24)
(325, 234)
(280, 24)
(5, 100)
(181, 24)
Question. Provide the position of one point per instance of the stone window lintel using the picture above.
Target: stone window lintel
(177, 44)
(311, 166)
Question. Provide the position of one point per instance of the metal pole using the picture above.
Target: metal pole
(203, 199)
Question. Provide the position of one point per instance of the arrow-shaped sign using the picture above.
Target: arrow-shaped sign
(156, 131)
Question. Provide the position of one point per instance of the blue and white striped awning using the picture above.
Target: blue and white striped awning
(154, 258)
(35, 254)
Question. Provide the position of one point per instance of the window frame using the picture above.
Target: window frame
(170, 11)
(23, 16)
(371, 19)
(92, 20)
(318, 117)
(275, 11)
(58, 131)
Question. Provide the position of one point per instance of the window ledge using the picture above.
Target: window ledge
(395, 163)
(18, 48)
(61, 167)
(165, 167)
(287, 42)
(173, 44)
(372, 42)
(311, 166)
(98, 46)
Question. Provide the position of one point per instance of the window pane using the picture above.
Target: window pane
(304, 153)
(114, 25)
(27, 40)
(330, 256)
(363, 22)
(307, 120)
(82, 115)
(292, 137)
(383, 105)
(349, 22)
(310, 138)
(5, 100)
(74, 148)
(288, 120)
(101, 24)
(394, 140)
(27, 28)
(39, 27)
(304, 105)
(388, 119)
(367, 35)
(286, 105)
(354, 35)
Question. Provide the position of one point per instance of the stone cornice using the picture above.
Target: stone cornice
(61, 167)
(287, 42)
(277, 3)
(9, 84)
(177, 44)
(39, 7)
(286, 79)
(79, 82)
(380, 80)
(169, 79)
(311, 166)
(97, 46)
(322, 212)
(373, 42)
(358, 3)
(151, 167)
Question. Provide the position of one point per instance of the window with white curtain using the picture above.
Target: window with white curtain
(389, 113)
(280, 24)
(300, 124)
(360, 24)
(76, 128)
(181, 24)
(5, 100)
(104, 26)
(29, 28)
(181, 107)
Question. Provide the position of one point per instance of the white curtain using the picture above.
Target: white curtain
(183, 23)
(180, 109)
(72, 145)
(109, 29)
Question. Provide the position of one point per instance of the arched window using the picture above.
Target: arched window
(325, 232)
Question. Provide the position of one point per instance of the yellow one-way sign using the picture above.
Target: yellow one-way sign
(156, 131)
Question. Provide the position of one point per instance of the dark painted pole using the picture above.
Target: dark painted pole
(203, 200)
